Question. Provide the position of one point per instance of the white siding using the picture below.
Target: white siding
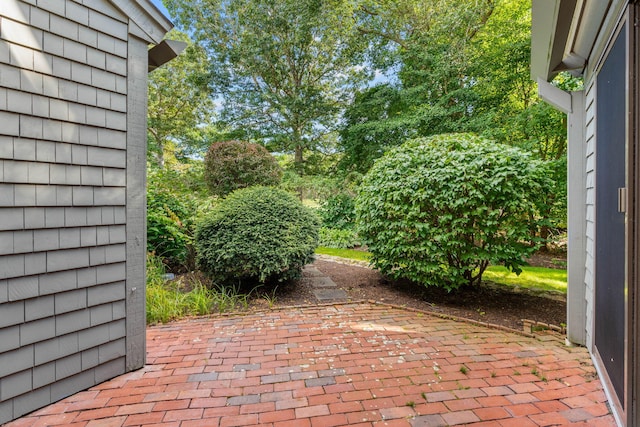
(590, 140)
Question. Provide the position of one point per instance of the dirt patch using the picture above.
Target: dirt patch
(491, 304)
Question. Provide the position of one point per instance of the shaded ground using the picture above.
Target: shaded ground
(491, 304)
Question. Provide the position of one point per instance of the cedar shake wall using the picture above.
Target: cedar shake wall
(65, 270)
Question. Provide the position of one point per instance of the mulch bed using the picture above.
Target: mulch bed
(492, 304)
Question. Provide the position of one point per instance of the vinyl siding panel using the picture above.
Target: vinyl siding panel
(590, 137)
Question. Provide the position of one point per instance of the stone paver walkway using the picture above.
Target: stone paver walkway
(360, 365)
(324, 289)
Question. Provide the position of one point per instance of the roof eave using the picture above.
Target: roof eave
(149, 23)
(164, 52)
(563, 34)
(550, 27)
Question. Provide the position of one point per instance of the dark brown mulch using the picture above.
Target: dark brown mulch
(491, 304)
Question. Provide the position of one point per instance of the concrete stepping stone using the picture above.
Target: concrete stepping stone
(324, 289)
(311, 271)
(323, 282)
(330, 295)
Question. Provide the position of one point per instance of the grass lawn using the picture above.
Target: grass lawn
(548, 279)
(344, 253)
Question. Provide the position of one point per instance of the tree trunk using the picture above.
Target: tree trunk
(160, 157)
(299, 160)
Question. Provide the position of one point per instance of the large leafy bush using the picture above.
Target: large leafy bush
(230, 165)
(169, 214)
(338, 238)
(175, 199)
(258, 234)
(338, 217)
(439, 210)
(338, 211)
(167, 235)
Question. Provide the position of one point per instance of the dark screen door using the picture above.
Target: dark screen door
(610, 223)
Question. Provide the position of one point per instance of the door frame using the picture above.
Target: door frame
(626, 409)
(632, 386)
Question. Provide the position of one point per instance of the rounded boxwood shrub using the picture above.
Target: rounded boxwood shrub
(258, 234)
(439, 210)
(231, 165)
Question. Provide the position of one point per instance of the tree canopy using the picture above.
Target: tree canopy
(461, 67)
(180, 111)
(282, 69)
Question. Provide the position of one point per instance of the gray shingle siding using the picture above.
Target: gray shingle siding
(72, 234)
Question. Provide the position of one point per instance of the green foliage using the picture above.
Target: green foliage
(230, 165)
(166, 301)
(174, 200)
(338, 211)
(167, 235)
(338, 238)
(257, 234)
(162, 305)
(180, 108)
(439, 210)
(338, 216)
(462, 67)
(310, 187)
(429, 45)
(283, 68)
(555, 208)
(316, 163)
(155, 269)
(374, 122)
(172, 300)
(185, 179)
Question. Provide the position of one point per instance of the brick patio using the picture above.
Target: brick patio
(359, 364)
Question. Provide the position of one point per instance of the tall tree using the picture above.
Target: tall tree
(180, 105)
(284, 69)
(374, 122)
(427, 46)
(462, 67)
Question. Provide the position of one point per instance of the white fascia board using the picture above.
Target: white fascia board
(560, 99)
(554, 25)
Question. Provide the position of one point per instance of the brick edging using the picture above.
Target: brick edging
(249, 312)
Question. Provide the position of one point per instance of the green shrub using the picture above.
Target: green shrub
(167, 235)
(174, 198)
(310, 187)
(338, 211)
(439, 210)
(338, 238)
(230, 165)
(257, 234)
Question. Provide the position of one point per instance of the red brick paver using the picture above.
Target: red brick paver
(361, 365)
